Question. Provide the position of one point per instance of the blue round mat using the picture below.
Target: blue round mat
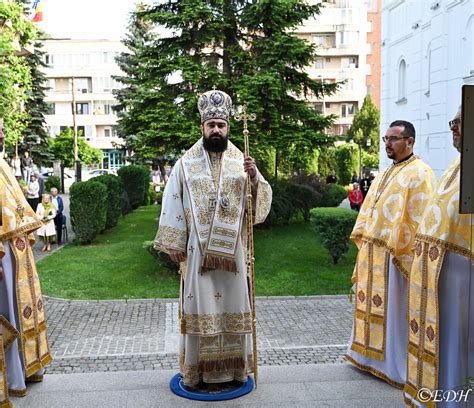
(211, 392)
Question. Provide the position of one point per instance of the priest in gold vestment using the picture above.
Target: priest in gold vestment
(440, 308)
(384, 234)
(24, 344)
(203, 226)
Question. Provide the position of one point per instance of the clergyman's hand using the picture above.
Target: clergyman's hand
(250, 167)
(177, 256)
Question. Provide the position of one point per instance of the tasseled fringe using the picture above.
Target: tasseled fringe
(231, 363)
(212, 262)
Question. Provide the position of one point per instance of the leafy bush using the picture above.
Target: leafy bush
(114, 194)
(291, 199)
(52, 181)
(161, 257)
(135, 181)
(88, 209)
(333, 195)
(334, 226)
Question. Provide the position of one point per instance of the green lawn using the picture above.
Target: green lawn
(289, 261)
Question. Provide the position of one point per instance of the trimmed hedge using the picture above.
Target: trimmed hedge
(88, 209)
(52, 181)
(299, 195)
(334, 226)
(114, 194)
(136, 180)
(333, 195)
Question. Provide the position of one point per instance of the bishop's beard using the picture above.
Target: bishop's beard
(216, 145)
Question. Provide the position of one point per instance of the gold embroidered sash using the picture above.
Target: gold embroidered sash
(8, 332)
(17, 215)
(371, 301)
(33, 339)
(423, 320)
(217, 211)
(4, 402)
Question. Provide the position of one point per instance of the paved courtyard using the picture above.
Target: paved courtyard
(91, 336)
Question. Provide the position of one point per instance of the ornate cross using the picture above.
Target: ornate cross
(190, 296)
(218, 296)
(245, 117)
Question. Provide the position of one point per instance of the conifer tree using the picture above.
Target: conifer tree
(35, 137)
(243, 47)
(366, 126)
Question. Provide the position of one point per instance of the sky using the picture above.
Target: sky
(87, 19)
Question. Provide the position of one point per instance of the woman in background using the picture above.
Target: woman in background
(46, 212)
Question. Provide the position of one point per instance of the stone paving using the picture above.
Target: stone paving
(91, 336)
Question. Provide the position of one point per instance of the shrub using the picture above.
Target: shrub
(88, 208)
(291, 199)
(125, 203)
(333, 195)
(334, 226)
(135, 181)
(114, 194)
(161, 257)
(304, 198)
(52, 181)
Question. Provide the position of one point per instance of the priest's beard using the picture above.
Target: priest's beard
(216, 145)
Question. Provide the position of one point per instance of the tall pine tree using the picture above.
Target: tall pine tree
(35, 137)
(365, 126)
(243, 47)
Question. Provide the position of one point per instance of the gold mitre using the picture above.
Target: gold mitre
(214, 104)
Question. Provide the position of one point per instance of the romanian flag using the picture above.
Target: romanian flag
(38, 12)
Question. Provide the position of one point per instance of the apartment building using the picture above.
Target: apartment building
(341, 35)
(81, 71)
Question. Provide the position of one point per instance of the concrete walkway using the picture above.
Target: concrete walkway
(326, 385)
(124, 353)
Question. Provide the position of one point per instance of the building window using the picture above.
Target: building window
(81, 131)
(107, 132)
(318, 107)
(82, 85)
(348, 37)
(402, 80)
(82, 108)
(325, 40)
(50, 108)
(348, 109)
(319, 63)
(49, 59)
(349, 62)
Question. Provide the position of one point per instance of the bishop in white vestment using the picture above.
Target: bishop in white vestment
(203, 226)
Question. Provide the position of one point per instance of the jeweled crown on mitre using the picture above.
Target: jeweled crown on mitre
(214, 104)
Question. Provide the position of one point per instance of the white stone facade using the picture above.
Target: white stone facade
(427, 55)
